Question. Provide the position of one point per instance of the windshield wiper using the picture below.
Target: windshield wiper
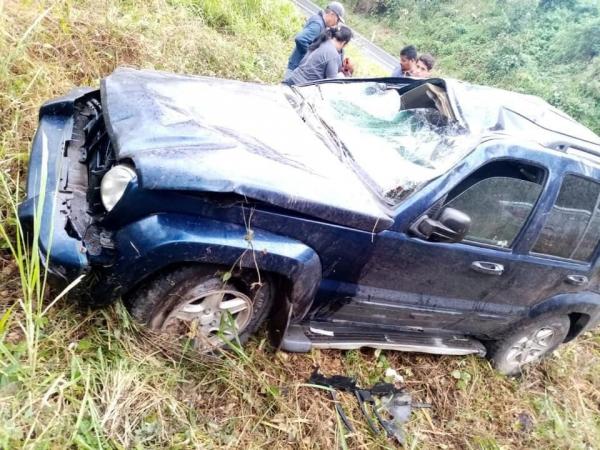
(342, 152)
(332, 138)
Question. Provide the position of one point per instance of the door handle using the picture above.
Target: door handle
(489, 268)
(576, 280)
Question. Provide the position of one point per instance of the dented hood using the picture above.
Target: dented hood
(212, 135)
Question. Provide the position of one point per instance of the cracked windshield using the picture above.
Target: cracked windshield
(401, 142)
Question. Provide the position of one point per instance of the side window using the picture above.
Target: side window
(572, 229)
(498, 198)
(498, 208)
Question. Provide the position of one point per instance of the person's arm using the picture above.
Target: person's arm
(307, 36)
(332, 68)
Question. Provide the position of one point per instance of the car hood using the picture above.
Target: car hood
(213, 135)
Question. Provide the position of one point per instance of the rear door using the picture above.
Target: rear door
(559, 257)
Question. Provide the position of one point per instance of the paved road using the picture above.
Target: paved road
(370, 50)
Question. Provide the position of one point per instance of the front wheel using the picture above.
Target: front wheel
(528, 343)
(195, 304)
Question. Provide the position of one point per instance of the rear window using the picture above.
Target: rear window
(572, 229)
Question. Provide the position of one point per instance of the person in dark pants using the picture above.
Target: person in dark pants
(408, 62)
(314, 27)
(323, 58)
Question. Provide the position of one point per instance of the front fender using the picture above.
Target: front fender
(155, 242)
(587, 303)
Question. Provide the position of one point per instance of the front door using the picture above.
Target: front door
(414, 284)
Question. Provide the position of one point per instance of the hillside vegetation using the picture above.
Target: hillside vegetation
(549, 48)
(80, 379)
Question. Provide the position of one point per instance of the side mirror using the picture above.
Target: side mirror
(452, 225)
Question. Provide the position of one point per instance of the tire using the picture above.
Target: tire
(188, 303)
(528, 343)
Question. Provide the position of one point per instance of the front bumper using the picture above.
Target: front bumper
(56, 192)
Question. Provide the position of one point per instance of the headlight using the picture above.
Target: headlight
(114, 183)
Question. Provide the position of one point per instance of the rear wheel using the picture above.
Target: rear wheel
(195, 304)
(528, 343)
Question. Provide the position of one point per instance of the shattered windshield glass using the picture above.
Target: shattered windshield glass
(400, 143)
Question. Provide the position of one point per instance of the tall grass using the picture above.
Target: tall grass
(31, 276)
(73, 378)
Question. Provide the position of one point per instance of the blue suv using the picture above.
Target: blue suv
(415, 215)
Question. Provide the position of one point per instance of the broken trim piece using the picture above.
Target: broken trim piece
(300, 338)
(353, 345)
(381, 397)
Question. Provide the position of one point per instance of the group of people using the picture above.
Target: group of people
(413, 65)
(319, 51)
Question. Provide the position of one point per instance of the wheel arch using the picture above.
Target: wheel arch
(158, 243)
(582, 309)
(579, 322)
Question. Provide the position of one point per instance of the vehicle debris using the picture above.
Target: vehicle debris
(392, 375)
(390, 405)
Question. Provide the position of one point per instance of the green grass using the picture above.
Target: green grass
(73, 378)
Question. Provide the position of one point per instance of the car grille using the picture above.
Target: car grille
(96, 152)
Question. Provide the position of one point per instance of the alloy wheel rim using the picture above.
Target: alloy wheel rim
(532, 347)
(209, 318)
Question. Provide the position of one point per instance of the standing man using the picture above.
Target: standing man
(315, 25)
(408, 62)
